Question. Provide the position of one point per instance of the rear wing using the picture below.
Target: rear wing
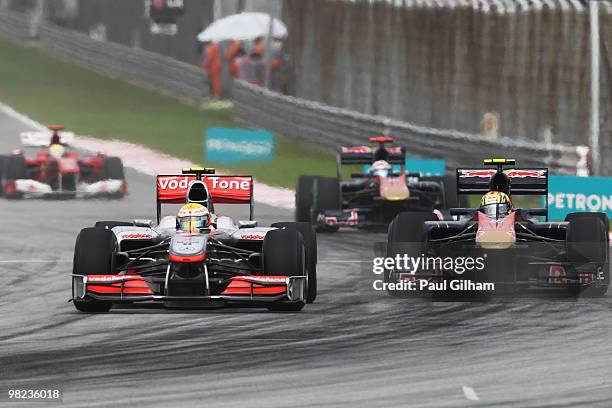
(43, 139)
(529, 181)
(365, 155)
(173, 189)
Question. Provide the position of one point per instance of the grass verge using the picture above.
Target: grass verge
(52, 91)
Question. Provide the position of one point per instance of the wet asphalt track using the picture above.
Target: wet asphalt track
(353, 347)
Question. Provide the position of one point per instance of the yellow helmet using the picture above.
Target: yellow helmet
(496, 204)
(56, 150)
(191, 217)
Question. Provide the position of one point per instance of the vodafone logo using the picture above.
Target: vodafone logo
(137, 235)
(265, 279)
(175, 183)
(220, 183)
(253, 236)
(230, 184)
(111, 278)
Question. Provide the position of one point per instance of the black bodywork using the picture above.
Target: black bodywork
(573, 253)
(330, 203)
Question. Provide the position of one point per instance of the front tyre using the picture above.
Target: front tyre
(310, 244)
(284, 255)
(94, 254)
(588, 243)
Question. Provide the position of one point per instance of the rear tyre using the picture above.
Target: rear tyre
(284, 255)
(303, 198)
(326, 196)
(406, 235)
(588, 241)
(113, 169)
(310, 244)
(94, 254)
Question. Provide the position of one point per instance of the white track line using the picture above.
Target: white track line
(470, 394)
(150, 162)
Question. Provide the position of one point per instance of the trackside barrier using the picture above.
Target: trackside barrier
(148, 69)
(316, 124)
(328, 127)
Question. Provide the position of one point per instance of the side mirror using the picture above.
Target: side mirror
(247, 224)
(536, 212)
(143, 223)
(460, 211)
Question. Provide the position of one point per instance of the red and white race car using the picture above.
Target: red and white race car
(48, 167)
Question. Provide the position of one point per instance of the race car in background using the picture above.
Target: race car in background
(519, 250)
(227, 262)
(47, 167)
(374, 196)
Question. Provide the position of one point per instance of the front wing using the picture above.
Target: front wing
(136, 288)
(28, 188)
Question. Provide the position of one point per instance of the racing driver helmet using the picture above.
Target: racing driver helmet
(380, 168)
(56, 151)
(191, 217)
(496, 204)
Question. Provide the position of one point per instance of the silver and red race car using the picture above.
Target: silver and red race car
(47, 167)
(228, 262)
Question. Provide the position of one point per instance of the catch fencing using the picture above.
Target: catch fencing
(318, 123)
(329, 127)
(445, 63)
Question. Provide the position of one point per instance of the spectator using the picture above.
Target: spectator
(211, 63)
(231, 50)
(278, 66)
(250, 67)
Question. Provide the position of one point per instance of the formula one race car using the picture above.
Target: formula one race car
(509, 247)
(47, 167)
(188, 261)
(373, 197)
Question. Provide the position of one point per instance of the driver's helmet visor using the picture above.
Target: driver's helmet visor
(191, 223)
(496, 210)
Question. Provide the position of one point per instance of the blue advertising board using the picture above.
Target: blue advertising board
(426, 167)
(234, 145)
(568, 194)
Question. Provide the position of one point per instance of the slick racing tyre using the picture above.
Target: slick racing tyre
(406, 235)
(310, 244)
(94, 254)
(326, 196)
(588, 242)
(113, 169)
(284, 255)
(112, 224)
(15, 168)
(2, 161)
(303, 198)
